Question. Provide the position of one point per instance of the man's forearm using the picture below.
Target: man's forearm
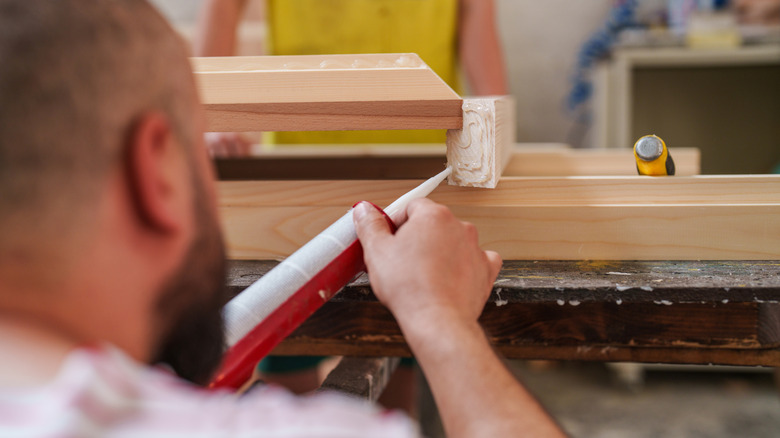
(435, 279)
(480, 49)
(217, 27)
(476, 394)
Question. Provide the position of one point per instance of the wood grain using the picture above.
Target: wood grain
(324, 92)
(591, 162)
(516, 192)
(546, 233)
(251, 64)
(648, 282)
(617, 218)
(480, 150)
(362, 377)
(769, 357)
(717, 232)
(655, 311)
(371, 329)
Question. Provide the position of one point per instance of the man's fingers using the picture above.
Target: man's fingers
(418, 204)
(370, 225)
(495, 262)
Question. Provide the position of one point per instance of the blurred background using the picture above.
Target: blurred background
(601, 74)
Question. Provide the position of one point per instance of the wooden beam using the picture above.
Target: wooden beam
(658, 311)
(515, 192)
(324, 93)
(480, 150)
(611, 218)
(769, 357)
(329, 168)
(422, 161)
(715, 232)
(537, 161)
(361, 377)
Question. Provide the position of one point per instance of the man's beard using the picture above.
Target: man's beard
(192, 300)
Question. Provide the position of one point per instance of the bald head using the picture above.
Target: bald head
(75, 75)
(108, 228)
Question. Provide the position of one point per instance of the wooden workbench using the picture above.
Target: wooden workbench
(668, 312)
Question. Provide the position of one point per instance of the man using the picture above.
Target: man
(111, 256)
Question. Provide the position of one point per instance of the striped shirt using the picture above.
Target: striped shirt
(104, 393)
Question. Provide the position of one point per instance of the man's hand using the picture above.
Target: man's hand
(432, 267)
(434, 278)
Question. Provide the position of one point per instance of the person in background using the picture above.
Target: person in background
(447, 34)
(758, 12)
(112, 259)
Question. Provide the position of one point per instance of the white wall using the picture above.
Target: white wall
(541, 40)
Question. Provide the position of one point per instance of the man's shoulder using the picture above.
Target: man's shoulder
(109, 393)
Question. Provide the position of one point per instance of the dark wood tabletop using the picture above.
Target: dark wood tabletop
(699, 312)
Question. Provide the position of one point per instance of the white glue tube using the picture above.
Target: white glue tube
(333, 256)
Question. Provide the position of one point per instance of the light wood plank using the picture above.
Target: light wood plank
(610, 218)
(591, 162)
(307, 62)
(616, 232)
(324, 92)
(718, 232)
(480, 150)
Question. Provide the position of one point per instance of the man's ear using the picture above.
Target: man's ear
(155, 171)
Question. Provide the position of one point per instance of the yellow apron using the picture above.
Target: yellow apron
(314, 27)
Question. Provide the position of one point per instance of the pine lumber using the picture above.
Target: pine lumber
(546, 161)
(515, 192)
(715, 232)
(324, 93)
(479, 151)
(575, 218)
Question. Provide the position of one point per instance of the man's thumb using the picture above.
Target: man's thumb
(370, 224)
